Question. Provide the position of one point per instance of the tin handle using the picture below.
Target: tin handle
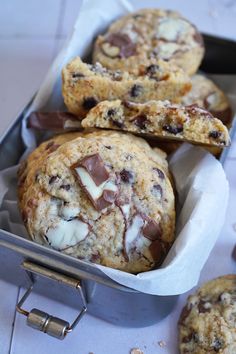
(40, 320)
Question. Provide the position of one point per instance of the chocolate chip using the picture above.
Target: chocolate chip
(184, 314)
(152, 69)
(214, 134)
(77, 75)
(141, 121)
(173, 129)
(53, 179)
(121, 40)
(118, 123)
(89, 102)
(157, 191)
(202, 308)
(126, 176)
(65, 186)
(136, 90)
(217, 345)
(160, 173)
(191, 337)
(152, 230)
(111, 112)
(108, 147)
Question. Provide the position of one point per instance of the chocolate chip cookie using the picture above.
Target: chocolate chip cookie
(144, 37)
(206, 94)
(85, 85)
(208, 321)
(103, 197)
(160, 119)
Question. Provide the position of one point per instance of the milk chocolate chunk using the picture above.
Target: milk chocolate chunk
(52, 121)
(156, 250)
(95, 167)
(152, 230)
(52, 146)
(121, 41)
(95, 180)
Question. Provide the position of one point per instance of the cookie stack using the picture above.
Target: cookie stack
(106, 196)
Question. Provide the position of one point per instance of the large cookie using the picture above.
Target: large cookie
(103, 197)
(159, 119)
(144, 37)
(85, 85)
(206, 94)
(208, 321)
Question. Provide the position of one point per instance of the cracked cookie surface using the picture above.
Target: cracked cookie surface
(208, 321)
(146, 36)
(103, 197)
(85, 85)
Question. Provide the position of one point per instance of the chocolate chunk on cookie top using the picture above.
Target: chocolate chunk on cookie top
(96, 84)
(100, 196)
(144, 37)
(94, 179)
(208, 322)
(160, 119)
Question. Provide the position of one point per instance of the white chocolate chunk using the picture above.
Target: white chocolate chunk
(67, 233)
(133, 232)
(171, 28)
(213, 100)
(166, 50)
(94, 190)
(68, 212)
(125, 210)
(72, 124)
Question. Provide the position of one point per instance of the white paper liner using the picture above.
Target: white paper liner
(200, 179)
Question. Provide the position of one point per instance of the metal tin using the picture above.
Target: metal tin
(35, 267)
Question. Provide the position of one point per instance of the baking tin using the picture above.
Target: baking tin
(35, 267)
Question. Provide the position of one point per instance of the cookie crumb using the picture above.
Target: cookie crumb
(162, 343)
(136, 351)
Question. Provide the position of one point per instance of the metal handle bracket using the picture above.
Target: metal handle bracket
(41, 320)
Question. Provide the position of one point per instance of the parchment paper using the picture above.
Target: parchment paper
(200, 179)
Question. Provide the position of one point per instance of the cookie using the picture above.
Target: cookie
(85, 85)
(206, 94)
(159, 119)
(103, 197)
(144, 37)
(208, 321)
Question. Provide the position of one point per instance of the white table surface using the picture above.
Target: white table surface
(31, 33)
